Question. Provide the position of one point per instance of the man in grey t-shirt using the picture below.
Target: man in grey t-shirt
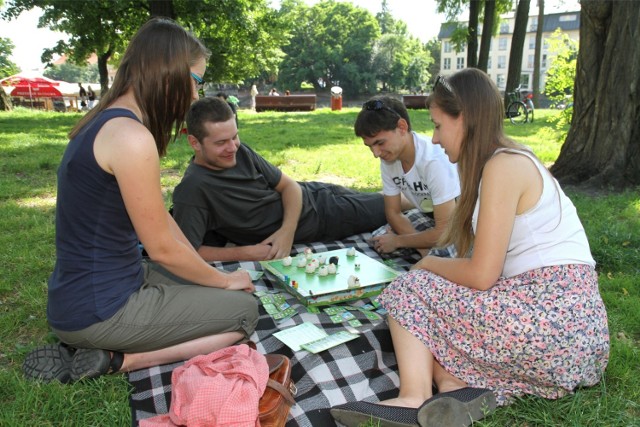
(229, 193)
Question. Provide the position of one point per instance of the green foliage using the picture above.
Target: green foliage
(7, 67)
(561, 75)
(331, 44)
(244, 36)
(73, 73)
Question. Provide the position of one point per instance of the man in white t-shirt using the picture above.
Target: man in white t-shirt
(411, 165)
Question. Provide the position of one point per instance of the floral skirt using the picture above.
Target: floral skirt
(543, 332)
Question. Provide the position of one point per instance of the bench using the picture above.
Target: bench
(415, 102)
(286, 103)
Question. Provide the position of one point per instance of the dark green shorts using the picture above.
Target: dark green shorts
(165, 311)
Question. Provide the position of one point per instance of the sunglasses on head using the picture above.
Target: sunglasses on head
(377, 105)
(442, 81)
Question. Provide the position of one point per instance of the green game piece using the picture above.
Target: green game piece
(355, 323)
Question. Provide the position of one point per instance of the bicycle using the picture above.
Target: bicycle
(519, 110)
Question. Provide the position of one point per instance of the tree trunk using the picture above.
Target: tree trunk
(472, 37)
(162, 8)
(103, 72)
(517, 47)
(487, 33)
(535, 87)
(602, 149)
(5, 101)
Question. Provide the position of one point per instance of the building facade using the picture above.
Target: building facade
(498, 66)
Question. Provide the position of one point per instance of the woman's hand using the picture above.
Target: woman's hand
(239, 280)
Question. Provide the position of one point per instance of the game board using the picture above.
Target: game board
(315, 290)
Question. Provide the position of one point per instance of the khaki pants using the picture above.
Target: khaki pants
(166, 311)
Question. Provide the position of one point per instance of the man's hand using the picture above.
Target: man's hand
(240, 281)
(386, 243)
(257, 252)
(281, 242)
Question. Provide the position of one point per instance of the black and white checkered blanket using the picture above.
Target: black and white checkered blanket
(361, 369)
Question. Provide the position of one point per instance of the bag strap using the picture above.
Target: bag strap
(286, 393)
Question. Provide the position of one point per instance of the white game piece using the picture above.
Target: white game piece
(302, 262)
(353, 282)
(323, 270)
(287, 261)
(322, 259)
(308, 253)
(332, 269)
(311, 268)
(351, 251)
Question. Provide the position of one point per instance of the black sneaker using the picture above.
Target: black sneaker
(48, 363)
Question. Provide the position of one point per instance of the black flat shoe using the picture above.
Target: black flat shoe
(355, 414)
(458, 408)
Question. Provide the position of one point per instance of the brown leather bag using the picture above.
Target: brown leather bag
(277, 399)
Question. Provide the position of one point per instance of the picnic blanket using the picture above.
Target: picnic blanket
(363, 369)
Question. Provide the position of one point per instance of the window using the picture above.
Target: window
(504, 28)
(447, 46)
(500, 81)
(532, 42)
(530, 61)
(502, 61)
(524, 81)
(447, 64)
(533, 26)
(543, 63)
(568, 18)
(489, 63)
(502, 43)
(460, 63)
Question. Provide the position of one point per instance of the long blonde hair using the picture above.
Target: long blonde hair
(156, 65)
(472, 94)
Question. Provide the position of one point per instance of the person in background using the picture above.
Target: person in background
(91, 96)
(233, 106)
(413, 167)
(273, 92)
(253, 92)
(112, 310)
(231, 194)
(519, 311)
(82, 94)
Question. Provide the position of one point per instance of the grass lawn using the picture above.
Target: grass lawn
(318, 145)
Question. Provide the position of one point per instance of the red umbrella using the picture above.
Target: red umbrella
(38, 91)
(32, 86)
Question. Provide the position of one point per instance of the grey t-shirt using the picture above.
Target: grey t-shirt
(239, 204)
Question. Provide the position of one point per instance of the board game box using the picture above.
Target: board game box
(356, 276)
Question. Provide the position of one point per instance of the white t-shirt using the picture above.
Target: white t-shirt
(550, 233)
(432, 180)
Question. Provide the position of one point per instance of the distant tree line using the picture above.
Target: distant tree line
(330, 43)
